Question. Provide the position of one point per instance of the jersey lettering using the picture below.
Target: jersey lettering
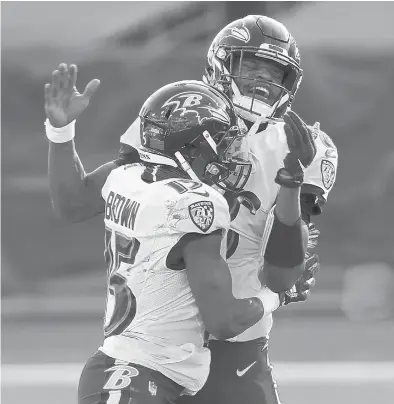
(184, 185)
(119, 208)
(144, 302)
(121, 302)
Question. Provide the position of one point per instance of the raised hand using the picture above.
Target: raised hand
(302, 151)
(63, 102)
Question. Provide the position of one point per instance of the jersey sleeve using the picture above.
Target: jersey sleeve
(107, 184)
(202, 213)
(320, 176)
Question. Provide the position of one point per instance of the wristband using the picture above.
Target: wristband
(270, 300)
(60, 135)
(287, 180)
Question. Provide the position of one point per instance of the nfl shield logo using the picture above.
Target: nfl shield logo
(202, 214)
(327, 173)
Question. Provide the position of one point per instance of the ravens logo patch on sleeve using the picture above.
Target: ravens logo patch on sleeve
(327, 173)
(202, 214)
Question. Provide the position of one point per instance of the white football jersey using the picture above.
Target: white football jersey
(267, 151)
(248, 232)
(151, 317)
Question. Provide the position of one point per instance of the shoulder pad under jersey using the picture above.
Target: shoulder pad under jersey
(200, 210)
(323, 169)
(116, 180)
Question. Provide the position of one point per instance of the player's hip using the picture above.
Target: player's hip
(109, 380)
(186, 364)
(232, 358)
(240, 373)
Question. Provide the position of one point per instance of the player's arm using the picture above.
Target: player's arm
(288, 238)
(287, 243)
(75, 194)
(321, 174)
(210, 281)
(318, 181)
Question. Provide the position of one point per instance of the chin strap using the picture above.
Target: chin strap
(157, 172)
(186, 166)
(260, 120)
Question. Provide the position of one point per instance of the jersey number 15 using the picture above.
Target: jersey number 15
(121, 303)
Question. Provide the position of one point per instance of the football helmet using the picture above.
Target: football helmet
(193, 126)
(255, 38)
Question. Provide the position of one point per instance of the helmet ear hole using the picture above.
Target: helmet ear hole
(190, 149)
(198, 165)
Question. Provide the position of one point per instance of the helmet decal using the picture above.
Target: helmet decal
(193, 127)
(218, 114)
(242, 34)
(185, 102)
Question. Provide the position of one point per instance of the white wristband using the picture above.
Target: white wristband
(60, 135)
(271, 300)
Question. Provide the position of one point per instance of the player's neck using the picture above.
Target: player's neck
(153, 173)
(261, 128)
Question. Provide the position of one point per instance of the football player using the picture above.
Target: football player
(75, 194)
(165, 236)
(255, 60)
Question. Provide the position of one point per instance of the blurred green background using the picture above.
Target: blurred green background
(53, 273)
(134, 48)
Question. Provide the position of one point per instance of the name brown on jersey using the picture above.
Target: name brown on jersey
(119, 208)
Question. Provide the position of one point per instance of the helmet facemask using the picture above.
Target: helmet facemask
(193, 128)
(222, 159)
(228, 69)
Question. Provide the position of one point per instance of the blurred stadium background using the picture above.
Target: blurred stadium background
(336, 347)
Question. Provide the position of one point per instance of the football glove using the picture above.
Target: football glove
(302, 151)
(302, 289)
